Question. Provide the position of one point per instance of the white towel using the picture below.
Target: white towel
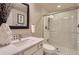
(5, 34)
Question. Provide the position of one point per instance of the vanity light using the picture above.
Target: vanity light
(58, 6)
(51, 16)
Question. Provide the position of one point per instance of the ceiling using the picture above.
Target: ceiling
(50, 7)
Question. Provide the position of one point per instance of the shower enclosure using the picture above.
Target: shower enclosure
(61, 30)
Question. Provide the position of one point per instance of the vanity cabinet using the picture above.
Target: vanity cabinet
(39, 52)
(27, 46)
(34, 50)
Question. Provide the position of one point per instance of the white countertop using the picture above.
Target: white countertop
(13, 49)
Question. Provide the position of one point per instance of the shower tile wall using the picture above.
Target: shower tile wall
(77, 31)
(63, 30)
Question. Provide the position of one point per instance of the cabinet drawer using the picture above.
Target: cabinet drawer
(31, 50)
(39, 52)
(40, 45)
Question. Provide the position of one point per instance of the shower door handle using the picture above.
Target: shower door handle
(46, 28)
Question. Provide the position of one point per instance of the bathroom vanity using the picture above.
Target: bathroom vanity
(25, 46)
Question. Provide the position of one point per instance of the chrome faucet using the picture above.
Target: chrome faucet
(19, 36)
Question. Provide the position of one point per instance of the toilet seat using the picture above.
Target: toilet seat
(49, 48)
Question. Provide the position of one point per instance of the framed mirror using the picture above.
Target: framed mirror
(19, 16)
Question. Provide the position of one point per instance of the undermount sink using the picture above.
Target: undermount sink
(20, 43)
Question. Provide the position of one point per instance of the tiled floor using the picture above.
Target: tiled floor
(66, 51)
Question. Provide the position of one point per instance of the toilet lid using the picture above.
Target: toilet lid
(48, 47)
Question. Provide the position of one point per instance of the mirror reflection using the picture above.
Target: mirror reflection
(18, 15)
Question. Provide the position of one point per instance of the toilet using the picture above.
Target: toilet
(49, 49)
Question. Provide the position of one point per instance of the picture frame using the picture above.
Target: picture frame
(20, 19)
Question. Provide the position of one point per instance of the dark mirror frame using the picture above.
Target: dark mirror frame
(23, 27)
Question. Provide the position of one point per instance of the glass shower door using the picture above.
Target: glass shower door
(63, 29)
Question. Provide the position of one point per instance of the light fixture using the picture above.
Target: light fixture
(58, 6)
(66, 17)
